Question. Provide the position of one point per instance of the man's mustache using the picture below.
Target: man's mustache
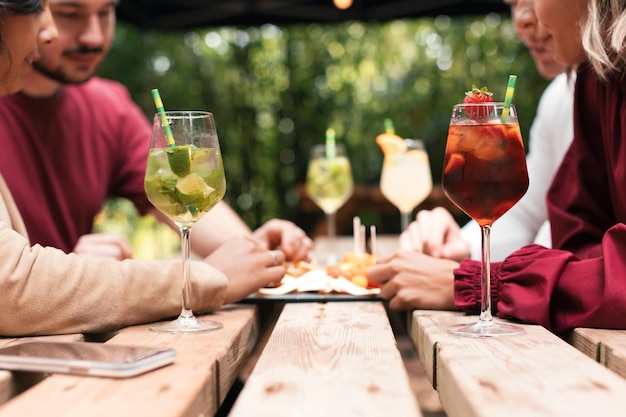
(83, 50)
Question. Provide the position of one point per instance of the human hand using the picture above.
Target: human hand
(410, 279)
(436, 233)
(287, 237)
(247, 265)
(104, 245)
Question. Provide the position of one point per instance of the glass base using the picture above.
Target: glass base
(485, 329)
(186, 325)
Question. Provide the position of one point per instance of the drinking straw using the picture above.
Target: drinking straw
(331, 149)
(508, 98)
(389, 127)
(161, 110)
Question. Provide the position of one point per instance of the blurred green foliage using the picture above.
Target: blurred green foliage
(274, 91)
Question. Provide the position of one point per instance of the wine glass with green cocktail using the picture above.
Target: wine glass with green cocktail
(184, 180)
(329, 180)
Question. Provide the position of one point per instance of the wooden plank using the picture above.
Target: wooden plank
(194, 385)
(608, 345)
(537, 374)
(330, 359)
(420, 340)
(13, 383)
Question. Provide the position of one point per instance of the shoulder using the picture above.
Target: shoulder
(559, 93)
(104, 89)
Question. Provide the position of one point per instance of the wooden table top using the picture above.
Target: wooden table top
(329, 359)
(536, 374)
(607, 346)
(195, 384)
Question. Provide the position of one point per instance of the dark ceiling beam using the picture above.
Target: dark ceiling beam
(184, 14)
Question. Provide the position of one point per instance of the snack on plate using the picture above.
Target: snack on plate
(298, 268)
(353, 267)
(347, 277)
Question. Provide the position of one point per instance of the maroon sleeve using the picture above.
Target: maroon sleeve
(132, 132)
(554, 288)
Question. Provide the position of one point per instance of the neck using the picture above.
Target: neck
(38, 85)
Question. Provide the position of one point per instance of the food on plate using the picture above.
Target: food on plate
(353, 267)
(348, 277)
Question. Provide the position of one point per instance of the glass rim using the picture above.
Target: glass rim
(173, 114)
(489, 103)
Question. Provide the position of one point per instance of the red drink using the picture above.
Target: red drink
(484, 169)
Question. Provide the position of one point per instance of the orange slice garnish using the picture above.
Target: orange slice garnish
(391, 144)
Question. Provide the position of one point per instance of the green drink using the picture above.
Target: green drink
(329, 182)
(184, 182)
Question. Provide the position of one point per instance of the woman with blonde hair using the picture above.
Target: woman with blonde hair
(582, 281)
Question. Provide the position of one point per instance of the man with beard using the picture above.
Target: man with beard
(73, 139)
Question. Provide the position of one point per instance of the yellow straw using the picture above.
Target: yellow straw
(331, 149)
(508, 98)
(161, 110)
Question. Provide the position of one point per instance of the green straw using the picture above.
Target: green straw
(508, 98)
(161, 110)
(331, 150)
(389, 127)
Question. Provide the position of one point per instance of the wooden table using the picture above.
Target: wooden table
(329, 359)
(13, 383)
(603, 345)
(536, 374)
(206, 366)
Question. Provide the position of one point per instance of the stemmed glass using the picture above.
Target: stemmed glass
(405, 179)
(184, 180)
(329, 180)
(485, 175)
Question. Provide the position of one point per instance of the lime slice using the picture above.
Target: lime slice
(178, 158)
(194, 184)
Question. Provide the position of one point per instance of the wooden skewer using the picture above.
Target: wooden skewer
(362, 242)
(356, 231)
(373, 247)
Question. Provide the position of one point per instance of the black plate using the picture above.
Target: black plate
(308, 297)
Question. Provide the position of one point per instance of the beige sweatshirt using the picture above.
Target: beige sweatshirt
(46, 291)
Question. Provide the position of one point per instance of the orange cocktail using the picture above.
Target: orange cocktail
(484, 168)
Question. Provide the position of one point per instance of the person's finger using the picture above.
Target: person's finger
(277, 257)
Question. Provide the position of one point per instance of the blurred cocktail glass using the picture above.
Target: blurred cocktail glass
(405, 179)
(484, 175)
(329, 180)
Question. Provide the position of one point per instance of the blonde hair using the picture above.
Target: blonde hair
(604, 36)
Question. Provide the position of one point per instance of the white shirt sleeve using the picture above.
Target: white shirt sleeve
(550, 136)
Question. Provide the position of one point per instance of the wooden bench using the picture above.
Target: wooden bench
(536, 374)
(206, 366)
(329, 359)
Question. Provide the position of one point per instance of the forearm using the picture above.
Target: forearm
(215, 228)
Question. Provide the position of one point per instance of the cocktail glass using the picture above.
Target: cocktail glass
(184, 180)
(484, 175)
(405, 179)
(329, 181)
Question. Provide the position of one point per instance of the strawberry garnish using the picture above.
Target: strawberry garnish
(477, 96)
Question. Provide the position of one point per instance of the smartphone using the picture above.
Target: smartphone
(84, 358)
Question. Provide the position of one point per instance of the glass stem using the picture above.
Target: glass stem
(185, 233)
(332, 229)
(485, 280)
(404, 220)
